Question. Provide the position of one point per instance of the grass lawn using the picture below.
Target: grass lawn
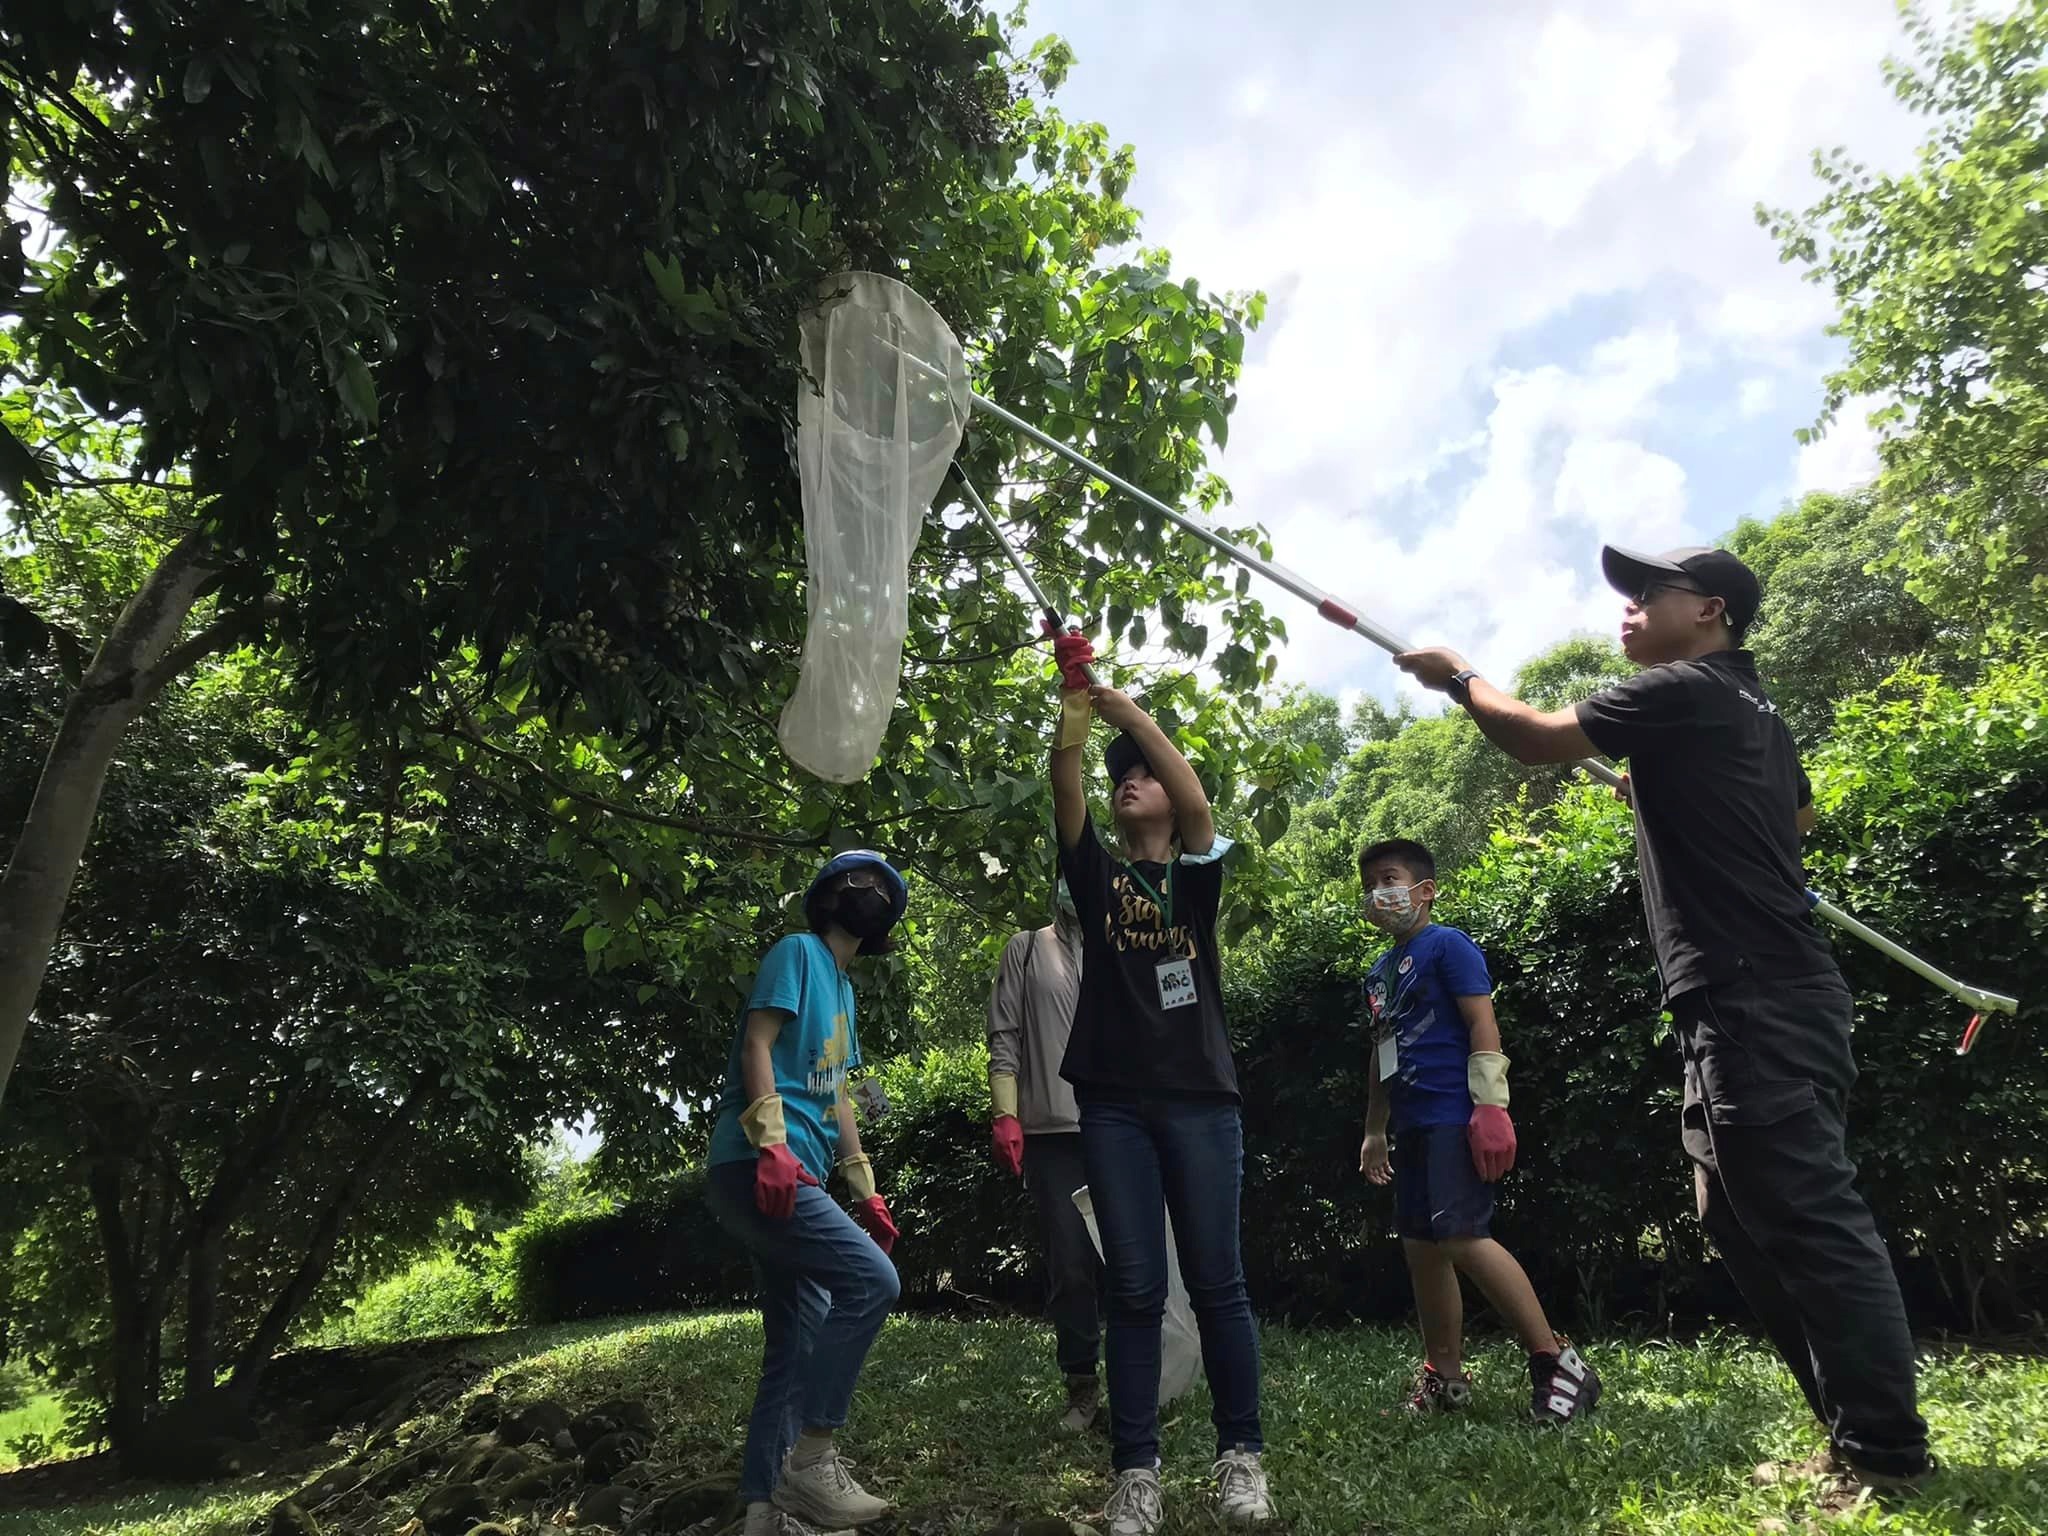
(39, 1414)
(957, 1423)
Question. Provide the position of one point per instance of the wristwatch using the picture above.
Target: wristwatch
(1460, 686)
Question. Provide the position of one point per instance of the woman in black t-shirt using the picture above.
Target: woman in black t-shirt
(1150, 1062)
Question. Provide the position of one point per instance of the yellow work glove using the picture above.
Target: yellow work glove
(1002, 1094)
(762, 1122)
(859, 1174)
(1486, 1075)
(1076, 715)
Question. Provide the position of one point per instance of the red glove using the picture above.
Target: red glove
(873, 1214)
(1492, 1137)
(776, 1176)
(1073, 654)
(1007, 1136)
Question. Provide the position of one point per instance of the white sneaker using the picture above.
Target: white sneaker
(824, 1493)
(1241, 1488)
(780, 1522)
(1136, 1505)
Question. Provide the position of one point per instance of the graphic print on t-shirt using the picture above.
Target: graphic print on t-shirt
(828, 1072)
(1133, 921)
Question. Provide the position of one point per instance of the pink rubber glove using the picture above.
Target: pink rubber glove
(1007, 1137)
(776, 1177)
(873, 1214)
(1492, 1137)
(1073, 654)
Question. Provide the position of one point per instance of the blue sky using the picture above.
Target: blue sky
(1520, 302)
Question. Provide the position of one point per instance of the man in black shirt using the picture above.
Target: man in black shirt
(1762, 1013)
(1161, 1133)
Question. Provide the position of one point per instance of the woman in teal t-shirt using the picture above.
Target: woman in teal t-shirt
(784, 1124)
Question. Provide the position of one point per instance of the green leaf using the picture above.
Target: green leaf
(20, 469)
(198, 78)
(357, 389)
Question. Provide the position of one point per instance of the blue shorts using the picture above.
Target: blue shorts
(1438, 1194)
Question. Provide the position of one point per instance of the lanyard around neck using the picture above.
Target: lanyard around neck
(1164, 903)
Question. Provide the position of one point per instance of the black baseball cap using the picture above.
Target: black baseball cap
(1709, 572)
(1123, 755)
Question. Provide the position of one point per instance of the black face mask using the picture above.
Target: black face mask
(866, 914)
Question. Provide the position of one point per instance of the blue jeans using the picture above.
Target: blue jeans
(1146, 1158)
(825, 1289)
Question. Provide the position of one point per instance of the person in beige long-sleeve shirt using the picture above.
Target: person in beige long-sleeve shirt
(1036, 1134)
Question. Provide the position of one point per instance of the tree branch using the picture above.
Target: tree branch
(217, 636)
(467, 731)
(967, 661)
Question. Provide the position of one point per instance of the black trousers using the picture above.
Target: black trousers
(1052, 1172)
(1767, 1075)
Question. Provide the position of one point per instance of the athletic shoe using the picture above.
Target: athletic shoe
(1435, 1392)
(824, 1493)
(780, 1522)
(1562, 1386)
(1843, 1484)
(1822, 1463)
(1084, 1402)
(1241, 1492)
(1136, 1505)
(1850, 1487)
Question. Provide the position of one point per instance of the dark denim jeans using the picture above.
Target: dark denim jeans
(1146, 1158)
(825, 1290)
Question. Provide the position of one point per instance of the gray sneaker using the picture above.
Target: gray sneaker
(824, 1493)
(1136, 1505)
(1241, 1493)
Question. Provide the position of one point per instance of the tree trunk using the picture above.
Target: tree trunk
(259, 1149)
(127, 1403)
(202, 1297)
(254, 1359)
(40, 871)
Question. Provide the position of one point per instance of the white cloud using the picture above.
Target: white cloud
(1501, 568)
(1844, 460)
(1591, 102)
(1253, 96)
(1518, 277)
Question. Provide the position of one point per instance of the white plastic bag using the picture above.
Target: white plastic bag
(879, 417)
(1180, 1340)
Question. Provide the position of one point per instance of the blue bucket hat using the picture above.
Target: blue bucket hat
(864, 858)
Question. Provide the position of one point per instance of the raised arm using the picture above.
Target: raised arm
(1069, 804)
(1527, 735)
(1191, 814)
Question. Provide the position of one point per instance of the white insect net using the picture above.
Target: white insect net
(880, 415)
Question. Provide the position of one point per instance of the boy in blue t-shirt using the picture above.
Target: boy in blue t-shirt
(1437, 1068)
(785, 1123)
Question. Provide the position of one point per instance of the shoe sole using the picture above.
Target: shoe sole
(815, 1515)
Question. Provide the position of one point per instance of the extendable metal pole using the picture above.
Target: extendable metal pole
(1345, 617)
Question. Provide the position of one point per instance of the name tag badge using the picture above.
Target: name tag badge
(1390, 1057)
(1176, 983)
(873, 1102)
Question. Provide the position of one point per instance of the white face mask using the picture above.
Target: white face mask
(1393, 908)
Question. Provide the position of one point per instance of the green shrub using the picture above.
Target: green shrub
(1934, 803)
(437, 1296)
